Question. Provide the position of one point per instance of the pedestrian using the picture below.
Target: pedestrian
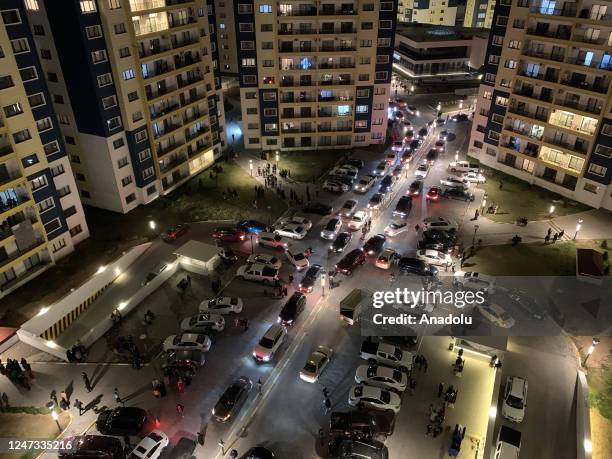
(188, 280)
(460, 257)
(476, 214)
(233, 137)
(86, 381)
(285, 292)
(233, 454)
(53, 397)
(440, 389)
(259, 386)
(561, 233)
(501, 184)
(291, 278)
(325, 392)
(327, 405)
(424, 365)
(548, 233)
(555, 237)
(180, 384)
(116, 397)
(547, 239)
(180, 409)
(417, 228)
(64, 397)
(79, 406)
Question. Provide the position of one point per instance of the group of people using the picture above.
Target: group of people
(19, 373)
(436, 420)
(231, 193)
(554, 237)
(77, 353)
(126, 345)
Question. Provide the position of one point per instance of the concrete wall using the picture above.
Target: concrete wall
(583, 418)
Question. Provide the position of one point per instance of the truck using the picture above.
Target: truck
(352, 305)
(386, 354)
(508, 443)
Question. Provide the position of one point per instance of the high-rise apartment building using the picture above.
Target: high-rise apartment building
(438, 12)
(227, 36)
(314, 73)
(479, 13)
(137, 87)
(41, 216)
(545, 105)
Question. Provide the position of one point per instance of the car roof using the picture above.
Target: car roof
(274, 330)
(517, 386)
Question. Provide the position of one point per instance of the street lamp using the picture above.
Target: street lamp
(277, 158)
(460, 104)
(323, 285)
(592, 347)
(457, 155)
(152, 225)
(551, 210)
(251, 166)
(412, 88)
(418, 113)
(484, 204)
(474, 237)
(56, 419)
(578, 226)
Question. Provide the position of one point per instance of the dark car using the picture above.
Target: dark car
(426, 244)
(229, 234)
(415, 266)
(92, 447)
(310, 278)
(232, 399)
(344, 448)
(437, 235)
(360, 424)
(460, 117)
(259, 452)
(403, 207)
(355, 163)
(397, 171)
(343, 179)
(456, 193)
(292, 309)
(122, 421)
(318, 208)
(434, 193)
(415, 144)
(175, 232)
(374, 244)
(251, 226)
(423, 132)
(406, 157)
(415, 188)
(341, 241)
(431, 157)
(386, 184)
(350, 261)
(184, 358)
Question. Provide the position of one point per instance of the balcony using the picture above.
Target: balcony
(336, 49)
(331, 11)
(293, 115)
(552, 77)
(581, 84)
(173, 23)
(199, 148)
(6, 150)
(335, 129)
(297, 131)
(594, 15)
(579, 147)
(525, 132)
(563, 34)
(290, 99)
(336, 82)
(190, 79)
(21, 252)
(160, 91)
(529, 93)
(335, 31)
(173, 163)
(587, 108)
(298, 31)
(568, 10)
(153, 50)
(140, 5)
(528, 114)
(287, 83)
(7, 177)
(29, 272)
(335, 98)
(590, 64)
(311, 11)
(198, 132)
(327, 114)
(161, 151)
(584, 38)
(541, 55)
(341, 65)
(167, 129)
(166, 110)
(186, 59)
(194, 116)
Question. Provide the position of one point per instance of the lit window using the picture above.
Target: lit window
(265, 8)
(362, 109)
(129, 74)
(88, 6)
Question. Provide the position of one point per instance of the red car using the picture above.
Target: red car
(350, 261)
(406, 157)
(175, 232)
(229, 234)
(434, 193)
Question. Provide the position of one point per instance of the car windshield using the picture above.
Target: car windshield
(341, 239)
(422, 167)
(515, 402)
(372, 370)
(331, 225)
(298, 256)
(266, 342)
(347, 205)
(398, 225)
(155, 437)
(385, 396)
(201, 339)
(397, 375)
(310, 367)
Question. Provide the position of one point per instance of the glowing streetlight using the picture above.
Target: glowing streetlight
(578, 227)
(551, 210)
(152, 224)
(412, 88)
(592, 347)
(251, 166)
(277, 158)
(457, 155)
(439, 106)
(55, 417)
(418, 113)
(323, 285)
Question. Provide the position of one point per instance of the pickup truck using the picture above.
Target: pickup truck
(258, 272)
(387, 355)
(352, 305)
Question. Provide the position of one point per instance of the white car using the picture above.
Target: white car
(497, 315)
(271, 240)
(222, 305)
(331, 230)
(364, 184)
(348, 167)
(358, 220)
(474, 281)
(455, 182)
(345, 172)
(397, 146)
(297, 258)
(187, 341)
(474, 177)
(316, 363)
(374, 397)
(395, 228)
(334, 187)
(515, 399)
(292, 231)
(151, 446)
(258, 273)
(440, 223)
(381, 376)
(265, 259)
(269, 343)
(300, 220)
(463, 166)
(348, 207)
(422, 170)
(381, 169)
(386, 258)
(203, 323)
(435, 257)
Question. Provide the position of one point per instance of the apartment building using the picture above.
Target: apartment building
(438, 12)
(228, 57)
(315, 74)
(41, 216)
(137, 87)
(545, 105)
(479, 13)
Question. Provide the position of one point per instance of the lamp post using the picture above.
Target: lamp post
(277, 158)
(457, 155)
(323, 284)
(551, 211)
(251, 166)
(412, 88)
(474, 237)
(56, 419)
(592, 347)
(578, 226)
(152, 225)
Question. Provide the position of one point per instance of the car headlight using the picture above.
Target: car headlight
(254, 354)
(278, 321)
(266, 358)
(213, 411)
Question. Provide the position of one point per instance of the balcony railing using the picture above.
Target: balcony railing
(335, 129)
(5, 150)
(164, 111)
(553, 78)
(583, 38)
(298, 131)
(559, 34)
(528, 114)
(588, 108)
(6, 177)
(42, 264)
(531, 95)
(335, 98)
(586, 13)
(337, 11)
(173, 23)
(298, 31)
(525, 132)
(336, 82)
(192, 135)
(541, 55)
(172, 164)
(19, 252)
(340, 65)
(568, 11)
(591, 64)
(312, 11)
(600, 88)
(161, 151)
(576, 146)
(297, 100)
(168, 128)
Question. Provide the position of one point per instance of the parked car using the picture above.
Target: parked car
(374, 397)
(342, 448)
(172, 234)
(431, 157)
(304, 222)
(443, 135)
(381, 376)
(508, 445)
(345, 172)
(396, 228)
(453, 181)
(123, 420)
(297, 258)
(229, 234)
(397, 145)
(515, 399)
(415, 144)
(203, 323)
(408, 265)
(188, 341)
(318, 208)
(474, 177)
(350, 262)
(232, 400)
(270, 342)
(361, 424)
(433, 194)
(358, 220)
(387, 184)
(355, 163)
(292, 309)
(374, 244)
(334, 186)
(406, 157)
(497, 315)
(440, 145)
(222, 305)
(271, 240)
(403, 207)
(463, 166)
(316, 364)
(184, 358)
(381, 169)
(345, 179)
(348, 207)
(292, 231)
(434, 257)
(376, 201)
(415, 188)
(251, 226)
(151, 446)
(422, 170)
(92, 446)
(258, 273)
(456, 193)
(259, 452)
(332, 228)
(440, 223)
(265, 259)
(365, 183)
(409, 136)
(342, 240)
(474, 281)
(439, 235)
(423, 132)
(386, 354)
(310, 278)
(387, 258)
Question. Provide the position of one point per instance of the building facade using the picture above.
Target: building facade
(545, 105)
(479, 13)
(314, 74)
(228, 57)
(438, 12)
(138, 88)
(41, 216)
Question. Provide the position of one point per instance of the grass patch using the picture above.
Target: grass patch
(23, 425)
(534, 259)
(518, 198)
(601, 435)
(304, 165)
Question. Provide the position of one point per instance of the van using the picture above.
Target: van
(269, 343)
(463, 166)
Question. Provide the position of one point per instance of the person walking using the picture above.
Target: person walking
(440, 389)
(116, 397)
(53, 397)
(64, 397)
(325, 392)
(27, 368)
(86, 381)
(327, 405)
(561, 233)
(180, 409)
(555, 237)
(180, 385)
(79, 406)
(547, 239)
(476, 214)
(260, 386)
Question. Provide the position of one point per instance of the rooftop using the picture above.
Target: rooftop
(428, 32)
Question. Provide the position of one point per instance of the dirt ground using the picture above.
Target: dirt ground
(601, 433)
(22, 425)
